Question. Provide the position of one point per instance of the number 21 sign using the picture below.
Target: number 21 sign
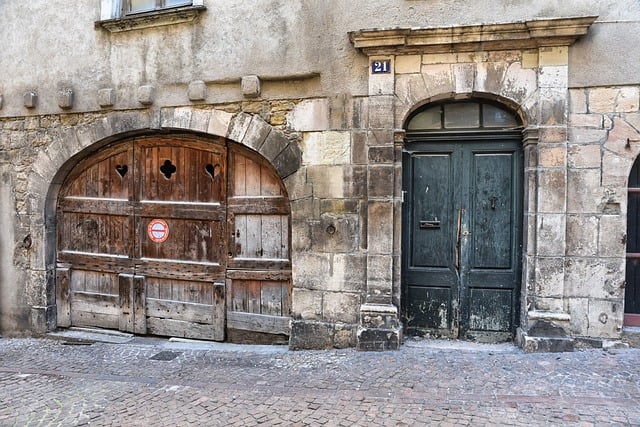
(379, 66)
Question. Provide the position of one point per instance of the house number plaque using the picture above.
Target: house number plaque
(381, 66)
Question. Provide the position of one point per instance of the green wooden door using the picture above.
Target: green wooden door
(462, 236)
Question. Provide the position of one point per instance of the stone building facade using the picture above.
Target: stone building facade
(325, 99)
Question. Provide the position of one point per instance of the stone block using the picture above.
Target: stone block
(553, 304)
(297, 185)
(379, 316)
(578, 101)
(584, 156)
(582, 235)
(340, 206)
(489, 77)
(199, 120)
(464, 75)
(380, 227)
(405, 64)
(552, 134)
(551, 234)
(551, 190)
(586, 135)
(359, 147)
(628, 100)
(327, 181)
(257, 133)
(384, 83)
(329, 272)
(605, 318)
(197, 90)
(310, 335)
(326, 148)
(584, 193)
(250, 86)
(106, 97)
(341, 307)
(300, 230)
(438, 79)
(289, 160)
(378, 339)
(238, 126)
(553, 77)
(556, 55)
(595, 121)
(612, 237)
(335, 233)
(309, 115)
(441, 58)
(553, 106)
(176, 118)
(381, 181)
(219, 123)
(594, 278)
(381, 112)
(384, 154)
(64, 97)
(519, 83)
(30, 99)
(530, 58)
(306, 304)
(552, 155)
(549, 277)
(146, 94)
(411, 89)
(379, 279)
(1, 101)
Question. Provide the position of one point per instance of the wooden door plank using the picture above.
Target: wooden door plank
(271, 298)
(139, 298)
(126, 302)
(63, 302)
(259, 323)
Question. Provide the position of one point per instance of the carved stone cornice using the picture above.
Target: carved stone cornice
(470, 38)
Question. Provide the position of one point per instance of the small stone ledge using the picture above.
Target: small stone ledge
(549, 315)
(155, 18)
(531, 344)
(379, 329)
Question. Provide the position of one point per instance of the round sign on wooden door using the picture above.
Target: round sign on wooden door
(158, 230)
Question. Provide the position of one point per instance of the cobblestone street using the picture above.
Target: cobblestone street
(157, 382)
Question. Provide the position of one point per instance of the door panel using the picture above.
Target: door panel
(117, 270)
(461, 238)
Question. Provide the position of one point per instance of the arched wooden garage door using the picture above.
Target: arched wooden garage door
(174, 236)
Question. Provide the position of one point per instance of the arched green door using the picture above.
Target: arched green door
(462, 173)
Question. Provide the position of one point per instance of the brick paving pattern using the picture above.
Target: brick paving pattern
(47, 382)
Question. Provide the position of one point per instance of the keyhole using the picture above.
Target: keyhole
(167, 169)
(493, 202)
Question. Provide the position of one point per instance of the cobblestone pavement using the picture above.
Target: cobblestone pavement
(153, 382)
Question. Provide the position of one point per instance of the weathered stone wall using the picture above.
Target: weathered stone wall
(288, 74)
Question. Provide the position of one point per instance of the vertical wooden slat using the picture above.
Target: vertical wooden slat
(271, 298)
(219, 311)
(254, 296)
(126, 319)
(253, 178)
(63, 302)
(271, 236)
(139, 305)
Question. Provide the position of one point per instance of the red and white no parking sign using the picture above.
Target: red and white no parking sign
(158, 230)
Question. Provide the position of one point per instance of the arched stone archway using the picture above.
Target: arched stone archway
(75, 142)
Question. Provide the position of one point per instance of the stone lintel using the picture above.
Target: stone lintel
(469, 38)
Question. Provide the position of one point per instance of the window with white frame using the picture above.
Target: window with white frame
(124, 15)
(138, 6)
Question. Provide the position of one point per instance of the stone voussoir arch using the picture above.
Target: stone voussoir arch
(53, 164)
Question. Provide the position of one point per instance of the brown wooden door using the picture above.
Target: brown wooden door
(149, 241)
(259, 267)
